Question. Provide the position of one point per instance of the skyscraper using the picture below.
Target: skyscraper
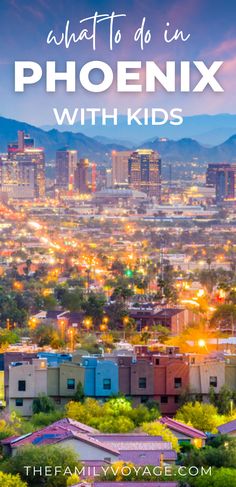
(23, 171)
(24, 141)
(81, 176)
(120, 167)
(144, 172)
(224, 184)
(212, 170)
(66, 161)
(221, 176)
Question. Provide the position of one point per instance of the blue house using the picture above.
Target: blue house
(101, 378)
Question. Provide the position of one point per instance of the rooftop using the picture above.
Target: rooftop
(182, 428)
(227, 427)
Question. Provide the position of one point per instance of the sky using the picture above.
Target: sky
(25, 24)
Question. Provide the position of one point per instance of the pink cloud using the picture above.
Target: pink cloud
(225, 49)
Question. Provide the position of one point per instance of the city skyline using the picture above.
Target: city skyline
(216, 40)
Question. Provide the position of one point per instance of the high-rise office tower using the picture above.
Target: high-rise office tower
(225, 184)
(23, 172)
(233, 167)
(120, 167)
(81, 176)
(66, 162)
(24, 141)
(221, 176)
(144, 172)
(212, 170)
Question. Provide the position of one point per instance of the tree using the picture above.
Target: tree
(122, 292)
(8, 480)
(72, 300)
(94, 305)
(42, 456)
(163, 333)
(10, 425)
(11, 309)
(224, 477)
(40, 420)
(157, 429)
(225, 400)
(117, 267)
(224, 317)
(120, 424)
(72, 480)
(116, 312)
(90, 344)
(202, 416)
(208, 279)
(79, 394)
(222, 455)
(8, 337)
(114, 416)
(43, 404)
(49, 302)
(45, 335)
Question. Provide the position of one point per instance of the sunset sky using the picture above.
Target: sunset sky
(24, 26)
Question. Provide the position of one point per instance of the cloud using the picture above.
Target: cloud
(226, 49)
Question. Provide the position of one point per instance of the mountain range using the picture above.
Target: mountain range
(208, 130)
(99, 148)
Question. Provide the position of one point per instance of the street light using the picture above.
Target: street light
(202, 343)
(71, 333)
(125, 322)
(88, 323)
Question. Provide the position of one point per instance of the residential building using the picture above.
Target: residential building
(171, 380)
(139, 449)
(148, 314)
(101, 377)
(26, 382)
(228, 429)
(91, 445)
(230, 371)
(16, 358)
(142, 381)
(205, 373)
(185, 434)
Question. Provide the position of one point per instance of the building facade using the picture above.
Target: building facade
(66, 162)
(221, 176)
(144, 172)
(82, 176)
(120, 167)
(22, 171)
